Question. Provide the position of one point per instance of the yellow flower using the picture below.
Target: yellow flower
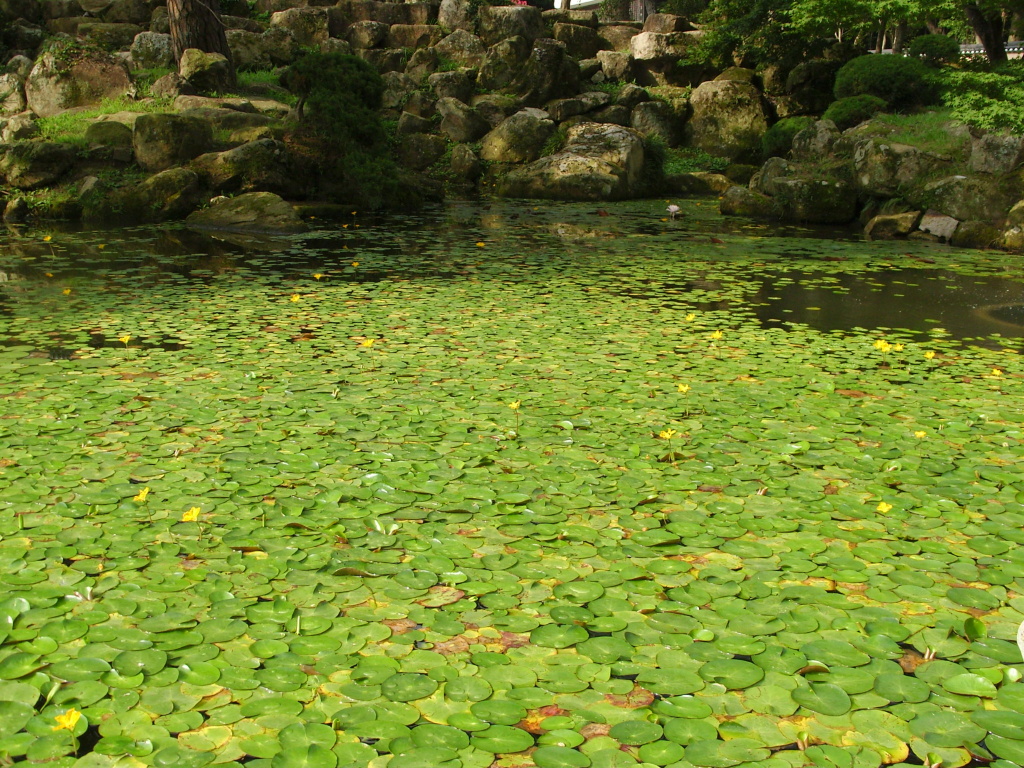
(191, 516)
(295, 297)
(996, 372)
(367, 342)
(883, 507)
(690, 317)
(66, 291)
(716, 335)
(49, 274)
(317, 275)
(514, 405)
(920, 433)
(481, 244)
(355, 263)
(68, 720)
(684, 388)
(125, 339)
(897, 347)
(667, 434)
(929, 354)
(141, 495)
(47, 239)
(101, 246)
(882, 345)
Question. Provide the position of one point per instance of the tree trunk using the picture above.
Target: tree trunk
(197, 24)
(564, 5)
(880, 41)
(988, 26)
(898, 37)
(933, 27)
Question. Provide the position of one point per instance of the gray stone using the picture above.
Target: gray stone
(367, 34)
(20, 66)
(617, 37)
(459, 122)
(563, 109)
(581, 42)
(740, 201)
(151, 50)
(496, 22)
(18, 128)
(423, 62)
(728, 120)
(128, 12)
(630, 95)
(814, 143)
(656, 46)
(383, 59)
(996, 153)
(108, 133)
(257, 166)
(883, 169)
(890, 226)
(250, 212)
(171, 86)
(109, 37)
(615, 113)
(456, 14)
(465, 164)
(165, 196)
(939, 225)
(398, 89)
(656, 119)
(502, 63)
(456, 85)
(547, 74)
(307, 26)
(410, 123)
(616, 65)
(584, 18)
(12, 94)
(763, 181)
(598, 162)
(494, 107)
(420, 104)
(55, 84)
(976, 234)
(279, 46)
(815, 201)
(206, 72)
(698, 183)
(590, 69)
(162, 140)
(17, 211)
(519, 139)
(228, 119)
(968, 198)
(666, 23)
(35, 164)
(419, 151)
(412, 36)
(461, 47)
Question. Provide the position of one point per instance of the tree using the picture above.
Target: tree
(197, 24)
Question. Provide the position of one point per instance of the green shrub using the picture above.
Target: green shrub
(993, 101)
(778, 140)
(692, 160)
(934, 50)
(854, 110)
(900, 81)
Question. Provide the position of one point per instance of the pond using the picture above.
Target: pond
(510, 484)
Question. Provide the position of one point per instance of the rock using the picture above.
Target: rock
(554, 16)
(419, 151)
(239, 22)
(151, 50)
(279, 46)
(1015, 217)
(109, 37)
(251, 212)
(21, 9)
(562, 109)
(617, 37)
(494, 107)
(996, 153)
(334, 45)
(656, 119)
(598, 162)
(166, 196)
(459, 122)
(698, 183)
(108, 133)
(171, 85)
(809, 86)
(35, 164)
(967, 198)
(496, 22)
(456, 85)
(20, 66)
(18, 128)
(128, 12)
(410, 123)
(883, 169)
(615, 113)
(17, 211)
(420, 104)
(162, 140)
(465, 164)
(206, 72)
(309, 27)
(384, 60)
(814, 143)
(548, 74)
(728, 120)
(257, 166)
(346, 12)
(502, 62)
(238, 104)
(616, 65)
(976, 234)
(657, 58)
(23, 37)
(739, 75)
(228, 119)
(367, 34)
(422, 63)
(631, 95)
(815, 201)
(590, 69)
(581, 42)
(462, 47)
(740, 201)
(61, 81)
(160, 22)
(12, 94)
(398, 89)
(666, 23)
(519, 139)
(889, 226)
(1012, 239)
(456, 14)
(273, 48)
(413, 36)
(939, 225)
(764, 180)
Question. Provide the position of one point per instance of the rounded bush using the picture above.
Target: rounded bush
(778, 140)
(934, 50)
(853, 110)
(900, 81)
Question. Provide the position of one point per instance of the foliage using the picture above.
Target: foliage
(854, 110)
(902, 82)
(70, 125)
(555, 142)
(692, 160)
(992, 100)
(935, 50)
(928, 130)
(778, 140)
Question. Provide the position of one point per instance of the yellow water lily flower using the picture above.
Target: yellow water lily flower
(191, 516)
(141, 495)
(996, 372)
(355, 263)
(317, 275)
(683, 388)
(125, 339)
(920, 433)
(66, 291)
(101, 246)
(690, 317)
(883, 507)
(929, 354)
(481, 244)
(514, 405)
(47, 239)
(716, 335)
(897, 347)
(667, 434)
(48, 274)
(367, 342)
(295, 297)
(68, 720)
(882, 345)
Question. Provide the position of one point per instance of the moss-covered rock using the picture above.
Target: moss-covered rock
(741, 201)
(728, 120)
(257, 212)
(519, 139)
(164, 140)
(66, 77)
(35, 164)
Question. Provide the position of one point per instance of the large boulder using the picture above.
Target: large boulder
(64, 78)
(309, 27)
(740, 201)
(564, 109)
(496, 22)
(968, 198)
(728, 120)
(273, 48)
(518, 139)
(580, 41)
(996, 153)
(109, 37)
(666, 23)
(549, 73)
(256, 166)
(35, 164)
(165, 196)
(462, 48)
(12, 94)
(367, 34)
(419, 151)
(814, 143)
(882, 169)
(598, 162)
(656, 119)
(151, 50)
(617, 37)
(891, 226)
(413, 36)
(206, 72)
(815, 201)
(459, 121)
(457, 84)
(162, 140)
(256, 212)
(502, 62)
(657, 56)
(457, 14)
(616, 65)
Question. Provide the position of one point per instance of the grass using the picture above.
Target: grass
(70, 127)
(692, 160)
(928, 131)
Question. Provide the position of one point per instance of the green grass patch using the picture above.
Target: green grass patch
(929, 130)
(70, 126)
(692, 160)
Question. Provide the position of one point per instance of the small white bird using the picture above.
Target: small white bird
(673, 210)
